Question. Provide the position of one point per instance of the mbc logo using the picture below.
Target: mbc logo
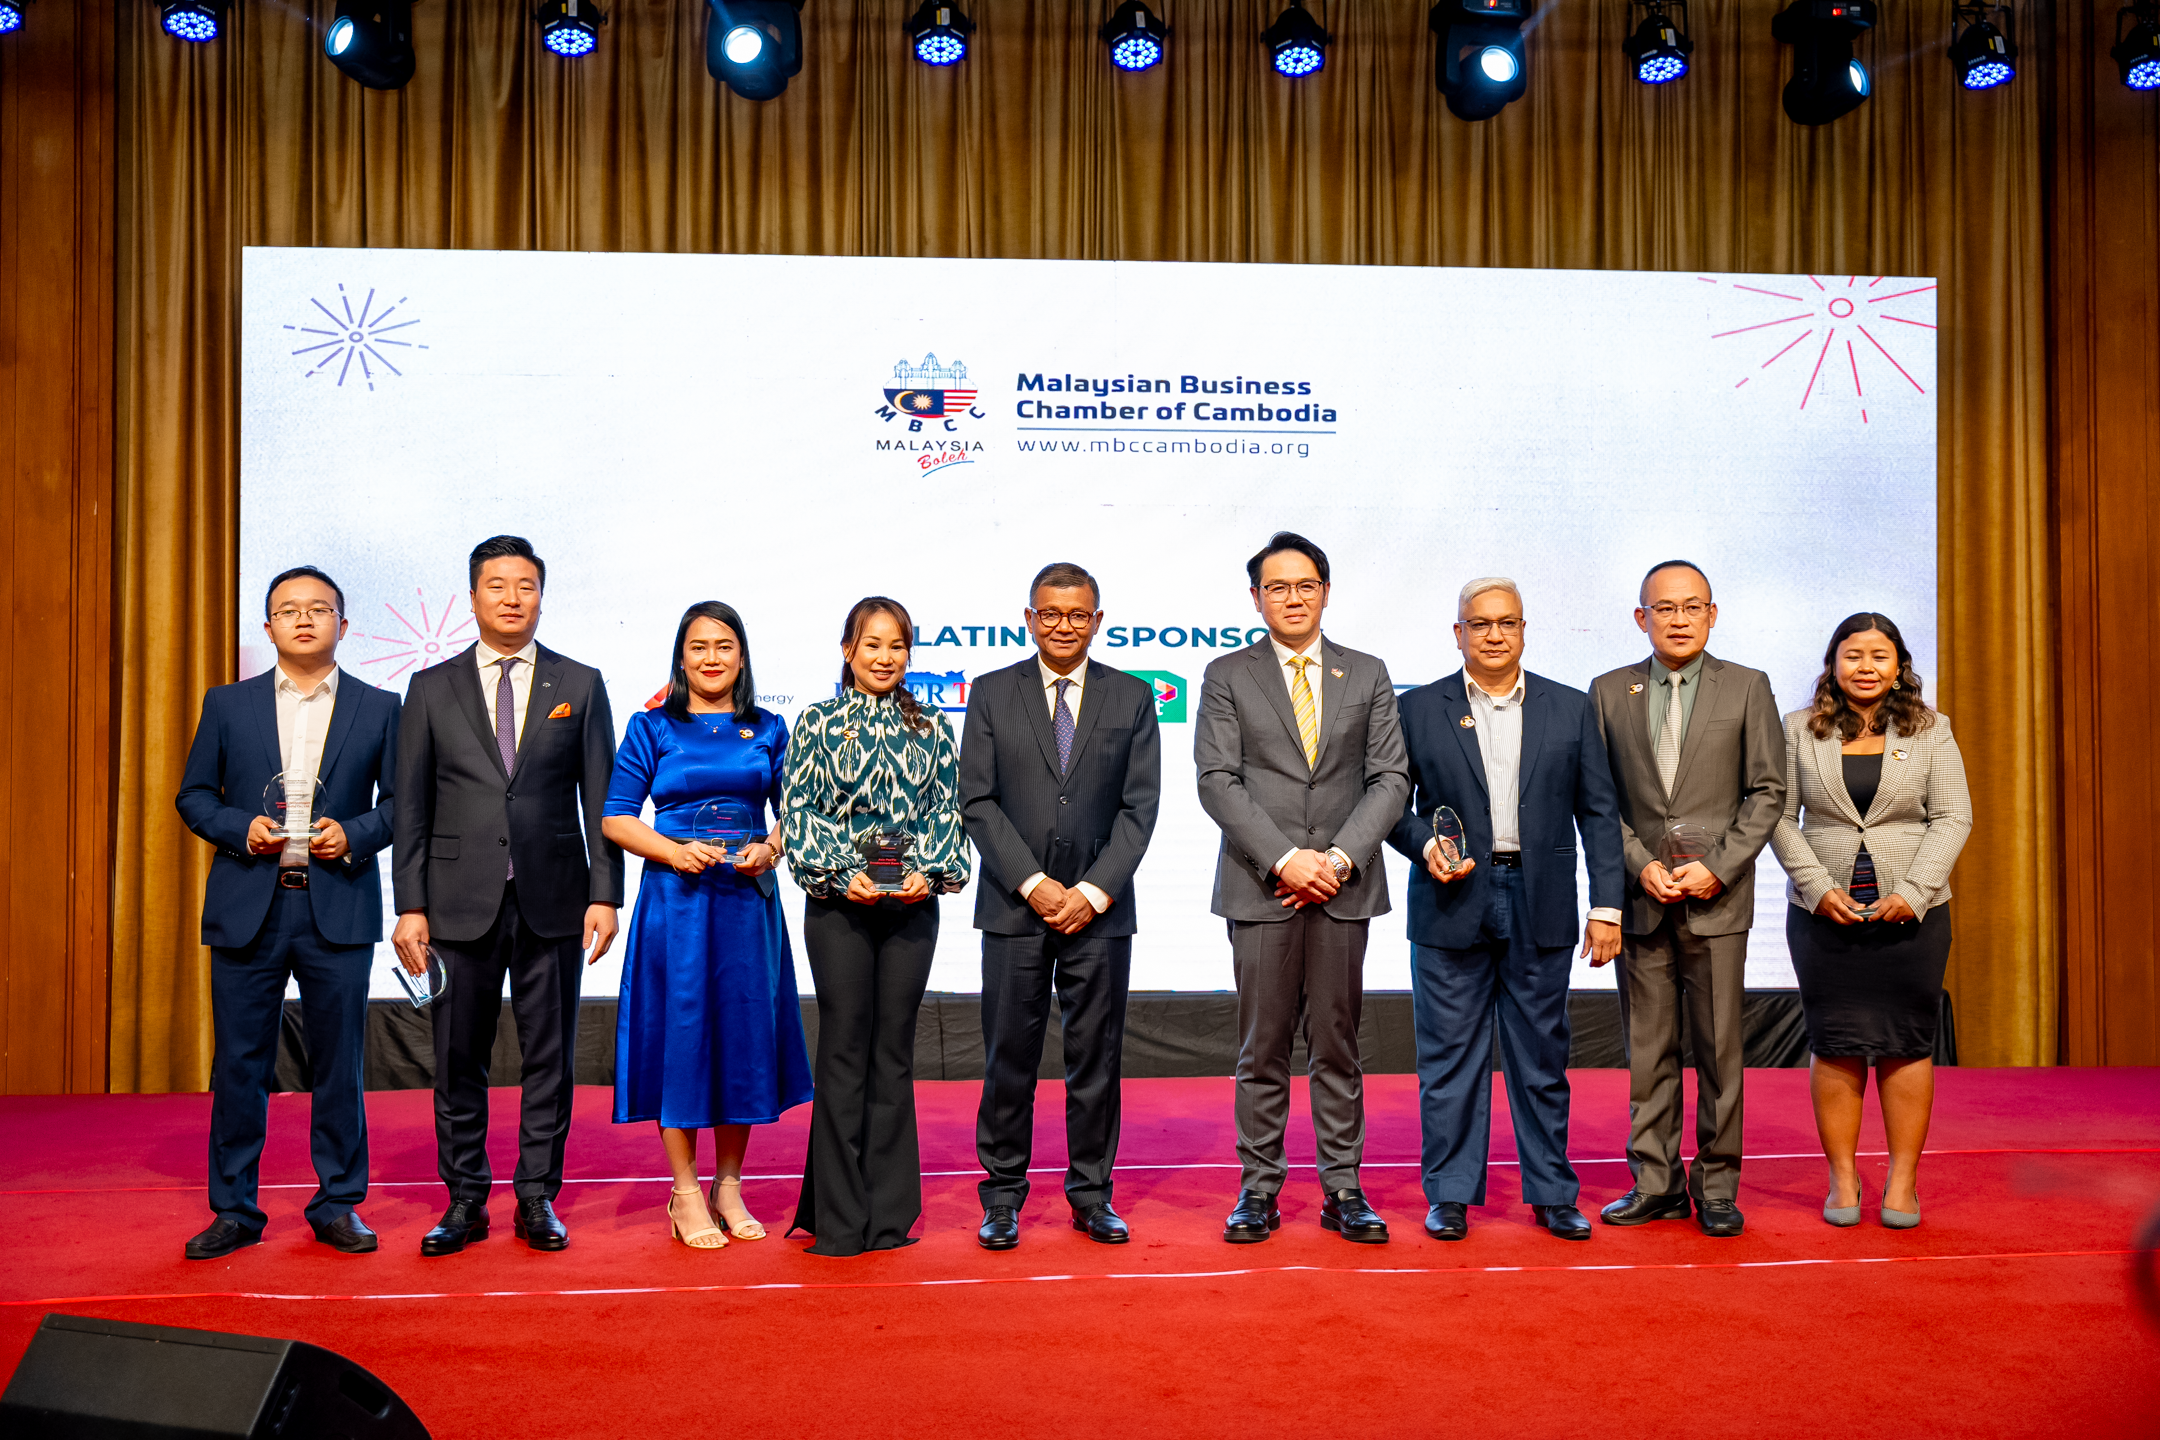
(1169, 694)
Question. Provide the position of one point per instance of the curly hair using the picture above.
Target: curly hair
(911, 712)
(1903, 706)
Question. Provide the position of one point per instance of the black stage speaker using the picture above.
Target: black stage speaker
(87, 1379)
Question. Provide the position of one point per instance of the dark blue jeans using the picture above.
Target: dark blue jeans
(1454, 997)
(247, 1006)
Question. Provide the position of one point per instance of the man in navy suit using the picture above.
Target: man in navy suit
(1520, 760)
(309, 906)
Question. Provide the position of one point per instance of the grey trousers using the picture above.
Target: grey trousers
(1302, 974)
(1661, 974)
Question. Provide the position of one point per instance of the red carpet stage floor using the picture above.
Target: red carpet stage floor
(2006, 1314)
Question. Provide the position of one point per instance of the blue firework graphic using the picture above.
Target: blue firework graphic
(354, 340)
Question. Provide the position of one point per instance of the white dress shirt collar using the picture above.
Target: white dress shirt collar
(488, 655)
(1050, 677)
(326, 686)
(1284, 654)
(1478, 692)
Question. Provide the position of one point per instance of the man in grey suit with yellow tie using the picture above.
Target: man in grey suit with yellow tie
(1300, 758)
(1693, 741)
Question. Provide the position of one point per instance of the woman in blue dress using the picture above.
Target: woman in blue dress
(708, 1032)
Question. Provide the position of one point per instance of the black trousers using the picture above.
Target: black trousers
(544, 974)
(1092, 976)
(247, 1006)
(862, 1180)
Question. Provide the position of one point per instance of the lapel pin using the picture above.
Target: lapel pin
(547, 684)
(1897, 754)
(1467, 723)
(1336, 673)
(848, 733)
(1635, 689)
(746, 734)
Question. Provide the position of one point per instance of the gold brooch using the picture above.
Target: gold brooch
(746, 734)
(1467, 723)
(1635, 689)
(1897, 754)
(848, 733)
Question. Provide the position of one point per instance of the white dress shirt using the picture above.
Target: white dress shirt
(1498, 725)
(521, 681)
(1095, 894)
(303, 719)
(1283, 656)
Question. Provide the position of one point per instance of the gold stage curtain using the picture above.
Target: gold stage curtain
(1036, 147)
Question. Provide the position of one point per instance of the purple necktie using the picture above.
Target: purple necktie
(506, 727)
(1062, 722)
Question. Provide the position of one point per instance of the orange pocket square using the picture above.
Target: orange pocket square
(560, 712)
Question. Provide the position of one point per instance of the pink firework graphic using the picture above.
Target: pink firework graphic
(433, 638)
(1821, 332)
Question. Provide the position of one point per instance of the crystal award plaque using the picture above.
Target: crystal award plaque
(1447, 833)
(726, 825)
(292, 805)
(1684, 845)
(885, 852)
(426, 988)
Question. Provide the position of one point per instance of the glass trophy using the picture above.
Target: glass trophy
(423, 989)
(292, 805)
(727, 826)
(1447, 833)
(885, 852)
(1684, 845)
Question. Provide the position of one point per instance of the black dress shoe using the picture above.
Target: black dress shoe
(1346, 1211)
(1103, 1225)
(1000, 1228)
(1565, 1221)
(348, 1233)
(464, 1221)
(1720, 1219)
(537, 1226)
(1448, 1220)
(224, 1236)
(1637, 1208)
(1256, 1214)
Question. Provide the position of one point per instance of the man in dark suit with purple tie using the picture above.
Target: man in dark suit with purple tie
(503, 764)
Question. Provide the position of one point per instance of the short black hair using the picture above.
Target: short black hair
(505, 547)
(1676, 565)
(1287, 540)
(744, 698)
(1064, 575)
(303, 572)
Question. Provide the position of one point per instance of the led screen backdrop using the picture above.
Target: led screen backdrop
(789, 434)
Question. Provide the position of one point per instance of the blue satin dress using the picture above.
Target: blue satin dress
(708, 1030)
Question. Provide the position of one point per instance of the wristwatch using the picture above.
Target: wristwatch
(1341, 863)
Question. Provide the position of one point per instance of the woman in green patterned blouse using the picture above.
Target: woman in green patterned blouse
(870, 761)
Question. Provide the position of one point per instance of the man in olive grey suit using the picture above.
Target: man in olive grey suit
(1301, 763)
(1693, 740)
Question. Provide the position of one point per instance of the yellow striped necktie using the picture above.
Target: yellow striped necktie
(1308, 718)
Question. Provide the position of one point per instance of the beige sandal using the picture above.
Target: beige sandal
(746, 1228)
(709, 1238)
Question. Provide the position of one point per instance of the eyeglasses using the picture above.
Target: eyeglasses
(1693, 609)
(1281, 590)
(1052, 619)
(1509, 627)
(314, 615)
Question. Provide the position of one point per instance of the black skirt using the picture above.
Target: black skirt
(1870, 991)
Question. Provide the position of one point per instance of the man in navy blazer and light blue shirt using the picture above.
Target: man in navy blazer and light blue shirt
(1520, 760)
(307, 907)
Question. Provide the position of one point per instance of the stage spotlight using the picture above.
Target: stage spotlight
(1827, 81)
(754, 46)
(569, 28)
(939, 33)
(1981, 56)
(2138, 51)
(197, 20)
(371, 41)
(1135, 36)
(1296, 43)
(11, 16)
(1480, 65)
(1659, 48)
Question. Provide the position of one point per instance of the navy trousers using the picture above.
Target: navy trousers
(247, 1006)
(1454, 997)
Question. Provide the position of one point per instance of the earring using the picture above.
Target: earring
(1894, 685)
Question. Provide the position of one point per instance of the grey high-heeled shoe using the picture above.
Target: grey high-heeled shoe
(1842, 1216)
(1902, 1219)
